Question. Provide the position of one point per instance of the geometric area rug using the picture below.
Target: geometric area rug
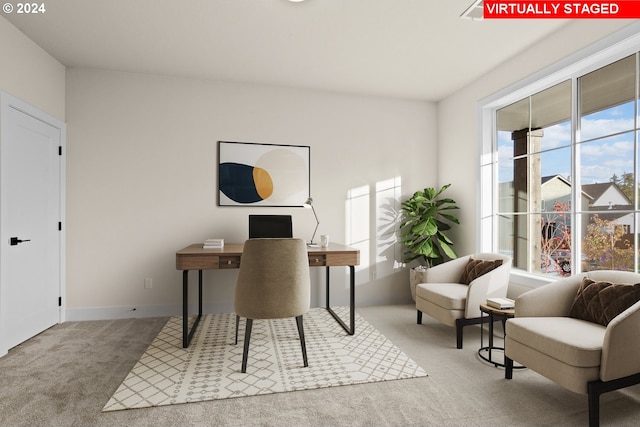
(209, 369)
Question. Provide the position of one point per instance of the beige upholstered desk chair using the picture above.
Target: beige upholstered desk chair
(444, 297)
(273, 283)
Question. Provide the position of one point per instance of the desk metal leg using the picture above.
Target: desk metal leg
(199, 295)
(352, 302)
(328, 282)
(185, 308)
(186, 334)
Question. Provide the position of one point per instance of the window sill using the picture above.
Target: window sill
(528, 280)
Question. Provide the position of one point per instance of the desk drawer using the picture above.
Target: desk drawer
(196, 262)
(229, 262)
(317, 260)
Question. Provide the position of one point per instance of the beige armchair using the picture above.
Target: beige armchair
(273, 283)
(582, 356)
(453, 303)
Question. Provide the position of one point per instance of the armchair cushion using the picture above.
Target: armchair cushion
(599, 302)
(571, 341)
(450, 296)
(476, 268)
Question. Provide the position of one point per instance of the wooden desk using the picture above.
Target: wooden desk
(195, 257)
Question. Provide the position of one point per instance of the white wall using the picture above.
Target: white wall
(141, 180)
(29, 73)
(141, 165)
(458, 136)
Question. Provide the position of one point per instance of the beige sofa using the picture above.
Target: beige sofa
(582, 356)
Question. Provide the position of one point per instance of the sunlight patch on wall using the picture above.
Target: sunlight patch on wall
(372, 227)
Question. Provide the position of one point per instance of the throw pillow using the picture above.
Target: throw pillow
(476, 268)
(600, 302)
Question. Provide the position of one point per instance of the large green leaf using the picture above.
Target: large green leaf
(430, 193)
(450, 217)
(425, 248)
(443, 237)
(428, 227)
(448, 250)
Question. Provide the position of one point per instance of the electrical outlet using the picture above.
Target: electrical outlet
(148, 283)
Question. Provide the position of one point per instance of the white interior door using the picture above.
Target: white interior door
(30, 225)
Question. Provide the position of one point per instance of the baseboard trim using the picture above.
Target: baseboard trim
(140, 311)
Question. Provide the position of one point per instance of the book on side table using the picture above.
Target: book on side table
(501, 303)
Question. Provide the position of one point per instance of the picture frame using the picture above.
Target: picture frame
(257, 174)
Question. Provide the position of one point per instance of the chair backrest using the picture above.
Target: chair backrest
(450, 271)
(273, 280)
(491, 256)
(612, 276)
(560, 294)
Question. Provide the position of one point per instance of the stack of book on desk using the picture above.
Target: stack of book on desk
(500, 303)
(213, 244)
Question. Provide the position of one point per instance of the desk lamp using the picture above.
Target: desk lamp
(309, 204)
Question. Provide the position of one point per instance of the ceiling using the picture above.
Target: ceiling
(417, 49)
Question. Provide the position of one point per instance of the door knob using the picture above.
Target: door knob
(14, 241)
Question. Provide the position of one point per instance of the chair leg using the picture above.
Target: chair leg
(302, 341)
(459, 328)
(462, 322)
(508, 368)
(237, 325)
(593, 398)
(245, 352)
(419, 317)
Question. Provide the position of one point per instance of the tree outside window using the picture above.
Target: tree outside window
(607, 246)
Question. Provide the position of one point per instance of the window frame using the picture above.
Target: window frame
(594, 57)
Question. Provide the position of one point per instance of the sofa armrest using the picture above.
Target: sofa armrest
(551, 300)
(494, 283)
(476, 295)
(621, 345)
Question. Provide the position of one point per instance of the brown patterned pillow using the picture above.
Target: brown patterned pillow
(476, 268)
(600, 302)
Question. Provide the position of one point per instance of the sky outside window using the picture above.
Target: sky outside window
(600, 159)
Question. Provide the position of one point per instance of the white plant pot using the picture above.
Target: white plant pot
(416, 277)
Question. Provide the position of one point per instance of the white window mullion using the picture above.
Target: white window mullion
(576, 187)
(635, 162)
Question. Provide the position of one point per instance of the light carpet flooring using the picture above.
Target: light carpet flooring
(64, 377)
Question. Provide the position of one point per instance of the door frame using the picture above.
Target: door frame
(8, 102)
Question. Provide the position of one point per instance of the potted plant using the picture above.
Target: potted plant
(425, 220)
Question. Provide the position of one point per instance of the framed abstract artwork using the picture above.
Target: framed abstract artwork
(252, 174)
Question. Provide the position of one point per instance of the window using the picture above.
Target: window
(534, 173)
(559, 166)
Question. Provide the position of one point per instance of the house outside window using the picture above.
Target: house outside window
(559, 164)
